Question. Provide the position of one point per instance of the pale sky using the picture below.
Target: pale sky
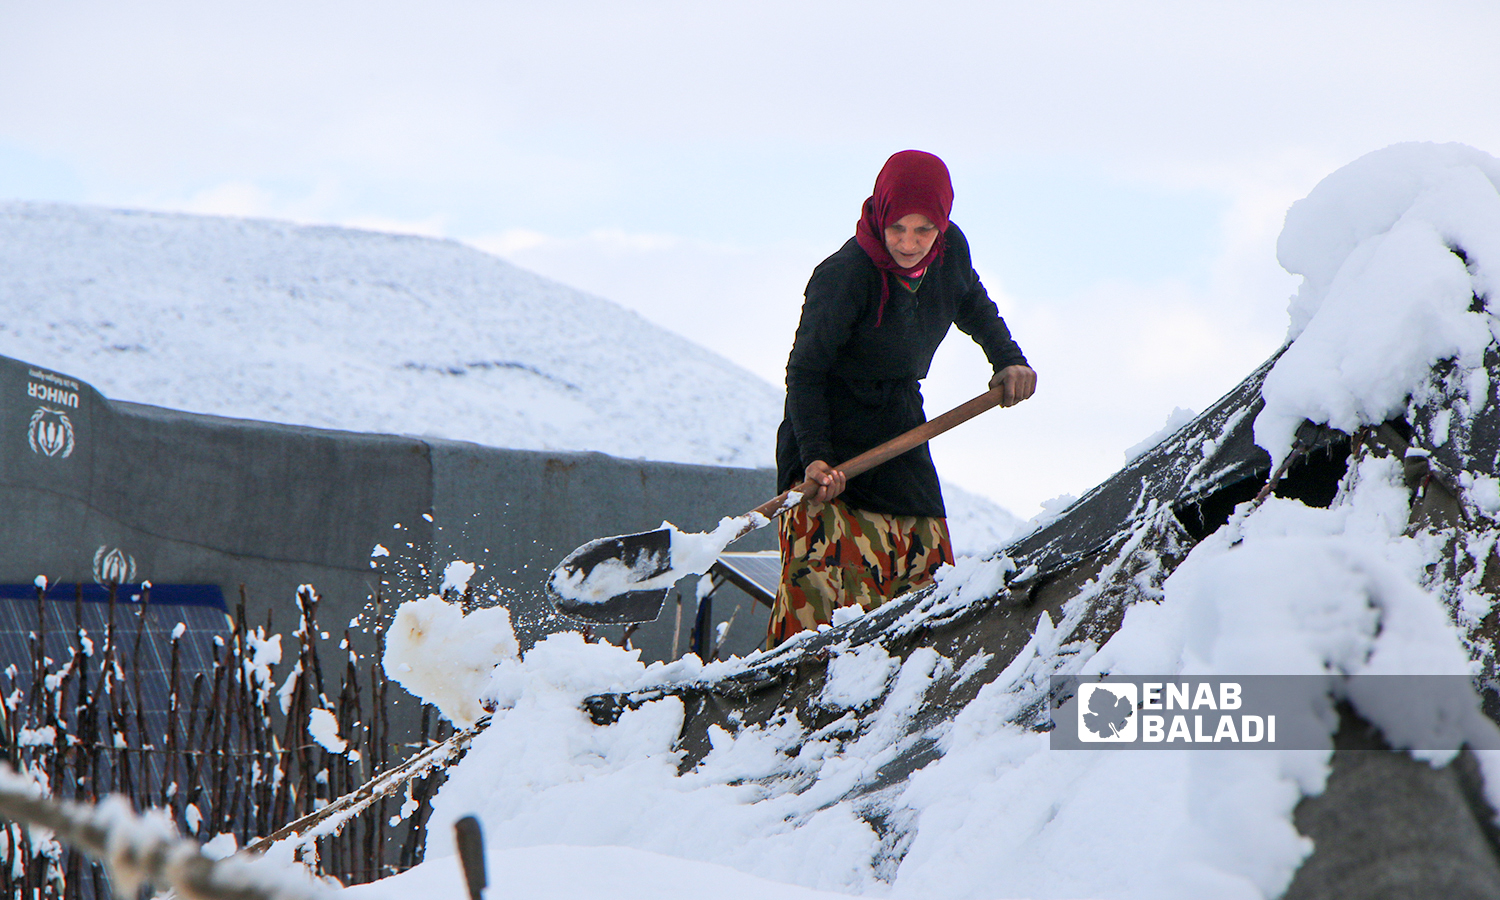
(1121, 169)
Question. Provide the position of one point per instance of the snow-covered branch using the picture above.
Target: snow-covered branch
(331, 818)
(146, 849)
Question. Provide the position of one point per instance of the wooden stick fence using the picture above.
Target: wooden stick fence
(230, 754)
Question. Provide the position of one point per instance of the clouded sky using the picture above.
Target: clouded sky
(1121, 169)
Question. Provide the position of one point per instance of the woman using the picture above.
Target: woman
(873, 316)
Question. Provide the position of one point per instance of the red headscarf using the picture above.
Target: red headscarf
(910, 182)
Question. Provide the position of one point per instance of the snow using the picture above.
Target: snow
(690, 553)
(1283, 588)
(324, 728)
(362, 331)
(694, 554)
(976, 524)
(137, 849)
(264, 653)
(619, 873)
(1051, 510)
(445, 657)
(221, 846)
(858, 676)
(844, 614)
(780, 808)
(45, 736)
(456, 575)
(1177, 418)
(1384, 294)
(1482, 490)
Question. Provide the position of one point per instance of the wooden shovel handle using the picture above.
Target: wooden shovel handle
(890, 449)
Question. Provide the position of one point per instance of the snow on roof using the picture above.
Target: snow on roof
(1398, 252)
(361, 331)
(905, 753)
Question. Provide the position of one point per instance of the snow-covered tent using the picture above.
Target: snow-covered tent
(1335, 515)
(98, 489)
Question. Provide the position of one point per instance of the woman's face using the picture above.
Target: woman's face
(909, 238)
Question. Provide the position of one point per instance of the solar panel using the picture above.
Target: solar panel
(75, 629)
(70, 620)
(756, 573)
(86, 687)
(74, 622)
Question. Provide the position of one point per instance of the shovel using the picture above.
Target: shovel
(624, 579)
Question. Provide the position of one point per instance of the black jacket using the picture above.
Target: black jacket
(851, 384)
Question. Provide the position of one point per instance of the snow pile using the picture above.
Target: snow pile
(543, 773)
(1284, 590)
(1394, 249)
(361, 331)
(445, 657)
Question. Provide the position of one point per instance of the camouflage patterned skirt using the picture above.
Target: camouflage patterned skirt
(834, 556)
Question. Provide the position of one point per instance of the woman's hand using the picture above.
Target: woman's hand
(1016, 383)
(830, 479)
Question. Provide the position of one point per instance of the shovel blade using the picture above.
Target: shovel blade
(629, 608)
(603, 581)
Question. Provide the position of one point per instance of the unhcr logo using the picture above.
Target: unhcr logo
(50, 433)
(113, 566)
(49, 394)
